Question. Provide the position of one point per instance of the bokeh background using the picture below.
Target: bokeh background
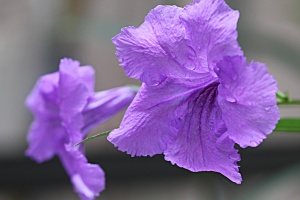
(36, 34)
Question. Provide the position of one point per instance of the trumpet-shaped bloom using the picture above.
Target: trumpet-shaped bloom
(65, 109)
(199, 95)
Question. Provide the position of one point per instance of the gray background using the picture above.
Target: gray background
(35, 34)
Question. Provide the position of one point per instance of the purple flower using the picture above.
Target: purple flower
(65, 109)
(199, 95)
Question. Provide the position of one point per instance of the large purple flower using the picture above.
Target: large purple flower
(65, 109)
(199, 95)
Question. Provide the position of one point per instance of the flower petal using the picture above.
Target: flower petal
(156, 49)
(71, 73)
(202, 143)
(88, 179)
(87, 77)
(152, 120)
(103, 105)
(74, 93)
(247, 100)
(42, 100)
(211, 31)
(144, 129)
(45, 133)
(44, 137)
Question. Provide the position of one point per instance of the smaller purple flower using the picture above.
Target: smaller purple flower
(65, 109)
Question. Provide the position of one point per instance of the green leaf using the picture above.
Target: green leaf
(93, 137)
(288, 125)
(284, 99)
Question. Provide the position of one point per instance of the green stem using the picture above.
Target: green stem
(93, 137)
(290, 102)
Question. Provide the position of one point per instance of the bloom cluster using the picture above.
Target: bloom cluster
(199, 95)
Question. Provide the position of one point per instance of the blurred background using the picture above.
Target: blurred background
(36, 34)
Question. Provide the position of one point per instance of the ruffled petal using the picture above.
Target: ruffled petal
(147, 126)
(152, 120)
(88, 179)
(42, 100)
(247, 100)
(87, 77)
(74, 93)
(202, 143)
(157, 49)
(44, 138)
(45, 133)
(211, 31)
(70, 71)
(103, 105)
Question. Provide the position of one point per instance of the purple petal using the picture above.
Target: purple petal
(44, 138)
(147, 126)
(152, 120)
(45, 133)
(88, 179)
(74, 93)
(86, 76)
(156, 49)
(103, 105)
(211, 31)
(42, 100)
(247, 100)
(202, 143)
(70, 71)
